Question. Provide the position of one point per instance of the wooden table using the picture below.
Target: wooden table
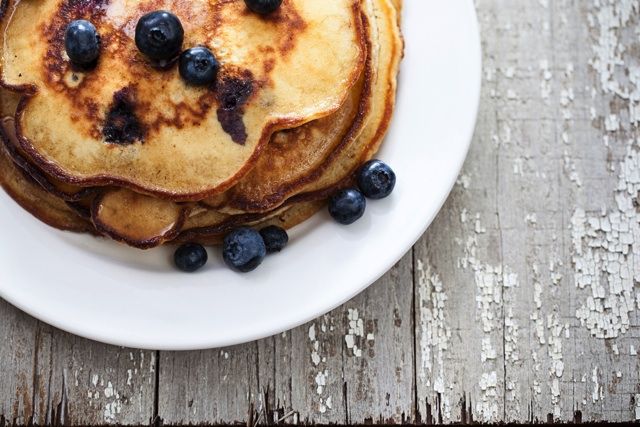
(521, 303)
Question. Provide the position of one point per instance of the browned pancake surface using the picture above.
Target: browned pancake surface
(130, 124)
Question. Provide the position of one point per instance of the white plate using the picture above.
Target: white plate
(121, 296)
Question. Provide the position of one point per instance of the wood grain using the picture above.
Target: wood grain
(521, 303)
(51, 377)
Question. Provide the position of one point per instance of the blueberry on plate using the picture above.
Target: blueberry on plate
(347, 206)
(82, 42)
(376, 179)
(244, 250)
(275, 238)
(159, 35)
(190, 257)
(263, 7)
(198, 66)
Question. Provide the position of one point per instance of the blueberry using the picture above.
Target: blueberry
(244, 250)
(347, 206)
(376, 179)
(263, 7)
(159, 35)
(190, 257)
(198, 66)
(82, 42)
(275, 238)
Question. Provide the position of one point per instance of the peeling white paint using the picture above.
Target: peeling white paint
(545, 84)
(435, 334)
(613, 62)
(570, 170)
(491, 282)
(318, 357)
(531, 219)
(464, 181)
(602, 246)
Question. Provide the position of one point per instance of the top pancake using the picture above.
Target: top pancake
(179, 142)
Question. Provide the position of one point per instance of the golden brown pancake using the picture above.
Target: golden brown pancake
(179, 142)
(293, 158)
(339, 168)
(356, 146)
(292, 177)
(8, 102)
(32, 198)
(388, 56)
(397, 4)
(53, 186)
(137, 220)
(213, 235)
(296, 157)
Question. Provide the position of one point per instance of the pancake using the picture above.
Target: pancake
(8, 102)
(342, 167)
(32, 198)
(180, 143)
(53, 186)
(289, 182)
(284, 218)
(397, 4)
(22, 187)
(358, 144)
(296, 157)
(140, 221)
(285, 149)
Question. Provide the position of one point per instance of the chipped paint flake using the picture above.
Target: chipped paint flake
(595, 394)
(321, 381)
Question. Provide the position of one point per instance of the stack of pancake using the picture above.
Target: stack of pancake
(129, 151)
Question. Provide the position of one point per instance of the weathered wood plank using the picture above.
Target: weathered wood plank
(49, 376)
(214, 386)
(378, 350)
(81, 382)
(17, 355)
(316, 371)
(553, 177)
(459, 279)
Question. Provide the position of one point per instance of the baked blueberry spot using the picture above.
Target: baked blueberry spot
(232, 94)
(122, 125)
